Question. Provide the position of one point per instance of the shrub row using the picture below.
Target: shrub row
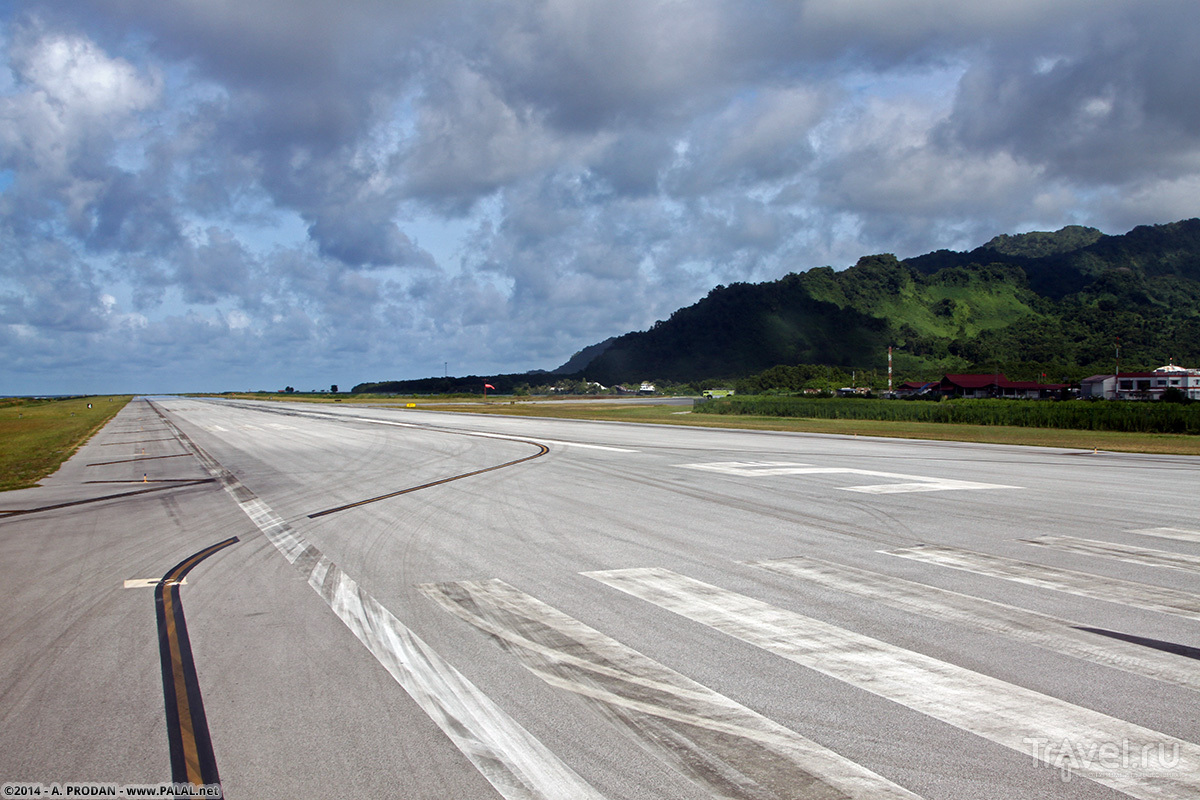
(1132, 417)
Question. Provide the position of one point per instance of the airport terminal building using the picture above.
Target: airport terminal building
(1143, 385)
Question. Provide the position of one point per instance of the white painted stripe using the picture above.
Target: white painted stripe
(578, 444)
(743, 753)
(513, 761)
(1179, 534)
(1121, 552)
(517, 765)
(910, 483)
(150, 583)
(1000, 712)
(1112, 590)
(1052, 633)
(929, 485)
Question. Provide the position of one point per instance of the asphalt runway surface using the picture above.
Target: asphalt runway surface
(327, 601)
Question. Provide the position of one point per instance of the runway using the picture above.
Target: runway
(421, 604)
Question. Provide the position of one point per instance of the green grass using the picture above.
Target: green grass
(1123, 416)
(37, 436)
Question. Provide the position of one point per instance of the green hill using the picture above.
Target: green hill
(1034, 303)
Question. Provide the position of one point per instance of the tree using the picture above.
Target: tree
(333, 389)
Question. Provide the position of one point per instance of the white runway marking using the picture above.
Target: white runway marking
(910, 483)
(741, 753)
(1042, 630)
(1178, 534)
(1112, 590)
(577, 444)
(518, 765)
(1000, 712)
(1121, 552)
(149, 583)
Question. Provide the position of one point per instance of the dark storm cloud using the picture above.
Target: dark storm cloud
(239, 184)
(48, 289)
(1111, 103)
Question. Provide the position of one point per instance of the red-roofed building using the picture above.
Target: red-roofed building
(997, 385)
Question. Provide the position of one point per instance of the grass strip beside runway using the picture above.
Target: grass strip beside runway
(36, 436)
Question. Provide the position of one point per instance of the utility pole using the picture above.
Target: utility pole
(889, 370)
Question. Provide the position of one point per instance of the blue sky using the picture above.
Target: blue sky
(211, 195)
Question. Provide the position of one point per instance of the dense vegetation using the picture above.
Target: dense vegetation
(1034, 306)
(1028, 305)
(1130, 417)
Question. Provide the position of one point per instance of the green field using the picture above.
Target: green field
(1083, 415)
(36, 436)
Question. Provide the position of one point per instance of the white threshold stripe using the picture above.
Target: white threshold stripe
(517, 765)
(1043, 630)
(1178, 534)
(1121, 552)
(740, 753)
(1004, 713)
(1111, 590)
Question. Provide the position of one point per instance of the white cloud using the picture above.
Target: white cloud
(69, 95)
(272, 190)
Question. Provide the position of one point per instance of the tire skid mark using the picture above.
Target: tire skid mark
(173, 485)
(1003, 713)
(722, 746)
(542, 450)
(517, 765)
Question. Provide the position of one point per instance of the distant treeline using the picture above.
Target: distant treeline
(471, 384)
(1130, 417)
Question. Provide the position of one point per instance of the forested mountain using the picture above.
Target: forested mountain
(1033, 304)
(1028, 304)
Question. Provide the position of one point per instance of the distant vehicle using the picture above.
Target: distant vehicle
(716, 393)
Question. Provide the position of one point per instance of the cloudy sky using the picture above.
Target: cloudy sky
(245, 194)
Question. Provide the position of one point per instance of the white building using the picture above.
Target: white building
(1143, 385)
